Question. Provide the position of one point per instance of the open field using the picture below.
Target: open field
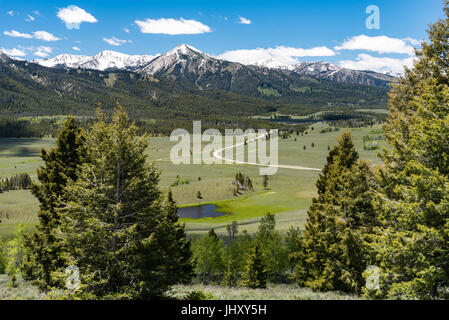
(289, 195)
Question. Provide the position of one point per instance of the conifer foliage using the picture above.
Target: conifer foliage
(332, 255)
(255, 275)
(412, 247)
(116, 226)
(60, 166)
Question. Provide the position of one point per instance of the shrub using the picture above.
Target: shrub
(199, 295)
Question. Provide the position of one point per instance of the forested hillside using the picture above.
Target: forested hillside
(30, 89)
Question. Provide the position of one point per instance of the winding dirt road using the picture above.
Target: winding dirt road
(218, 154)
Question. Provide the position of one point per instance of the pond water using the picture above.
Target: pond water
(202, 211)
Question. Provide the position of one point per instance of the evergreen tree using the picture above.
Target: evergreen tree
(332, 254)
(115, 225)
(17, 254)
(231, 275)
(412, 246)
(255, 274)
(61, 164)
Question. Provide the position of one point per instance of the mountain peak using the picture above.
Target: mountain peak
(184, 55)
(63, 60)
(4, 57)
(185, 49)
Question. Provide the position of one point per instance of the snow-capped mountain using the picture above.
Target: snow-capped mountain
(273, 63)
(102, 61)
(329, 71)
(3, 57)
(184, 58)
(115, 60)
(187, 60)
(63, 61)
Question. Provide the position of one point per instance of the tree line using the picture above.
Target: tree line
(20, 181)
(242, 260)
(48, 127)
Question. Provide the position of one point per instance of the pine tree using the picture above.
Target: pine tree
(332, 255)
(255, 274)
(115, 225)
(231, 275)
(412, 247)
(61, 164)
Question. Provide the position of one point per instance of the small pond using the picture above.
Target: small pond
(202, 211)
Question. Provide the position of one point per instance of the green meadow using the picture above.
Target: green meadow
(289, 193)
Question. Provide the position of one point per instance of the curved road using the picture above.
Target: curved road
(217, 154)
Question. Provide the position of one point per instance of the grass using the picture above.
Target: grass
(17, 207)
(268, 92)
(380, 111)
(26, 291)
(289, 195)
(273, 292)
(23, 291)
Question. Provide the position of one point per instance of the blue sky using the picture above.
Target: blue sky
(302, 30)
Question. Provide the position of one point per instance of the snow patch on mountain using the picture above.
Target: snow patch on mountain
(102, 61)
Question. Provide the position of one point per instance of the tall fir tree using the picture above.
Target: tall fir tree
(60, 166)
(116, 226)
(332, 254)
(412, 246)
(255, 275)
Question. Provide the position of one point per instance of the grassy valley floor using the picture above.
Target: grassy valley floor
(289, 194)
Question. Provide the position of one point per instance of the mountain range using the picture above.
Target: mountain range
(191, 60)
(183, 83)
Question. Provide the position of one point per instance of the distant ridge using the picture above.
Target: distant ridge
(189, 60)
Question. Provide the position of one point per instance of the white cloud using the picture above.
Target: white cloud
(380, 44)
(11, 13)
(43, 52)
(40, 35)
(244, 20)
(30, 18)
(378, 64)
(73, 16)
(115, 41)
(275, 57)
(172, 26)
(17, 34)
(13, 52)
(44, 35)
(76, 48)
(126, 30)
